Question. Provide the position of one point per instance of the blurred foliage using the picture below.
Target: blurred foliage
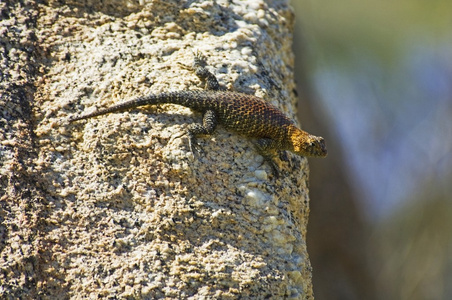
(413, 248)
(340, 28)
(381, 80)
(383, 72)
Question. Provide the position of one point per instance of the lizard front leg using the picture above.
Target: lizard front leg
(267, 148)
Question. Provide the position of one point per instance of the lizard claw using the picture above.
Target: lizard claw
(195, 148)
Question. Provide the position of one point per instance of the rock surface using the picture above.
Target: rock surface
(117, 205)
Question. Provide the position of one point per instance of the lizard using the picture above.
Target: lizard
(245, 114)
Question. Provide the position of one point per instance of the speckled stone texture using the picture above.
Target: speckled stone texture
(117, 206)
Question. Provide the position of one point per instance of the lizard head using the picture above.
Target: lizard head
(305, 144)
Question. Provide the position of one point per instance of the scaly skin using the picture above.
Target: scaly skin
(245, 114)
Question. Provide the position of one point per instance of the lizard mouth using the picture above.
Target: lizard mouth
(305, 144)
(320, 148)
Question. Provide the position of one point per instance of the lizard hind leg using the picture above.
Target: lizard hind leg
(199, 67)
(209, 123)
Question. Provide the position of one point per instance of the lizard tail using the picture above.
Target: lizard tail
(181, 98)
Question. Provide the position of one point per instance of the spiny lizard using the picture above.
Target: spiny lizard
(245, 114)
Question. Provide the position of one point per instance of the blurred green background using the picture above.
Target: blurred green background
(375, 79)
